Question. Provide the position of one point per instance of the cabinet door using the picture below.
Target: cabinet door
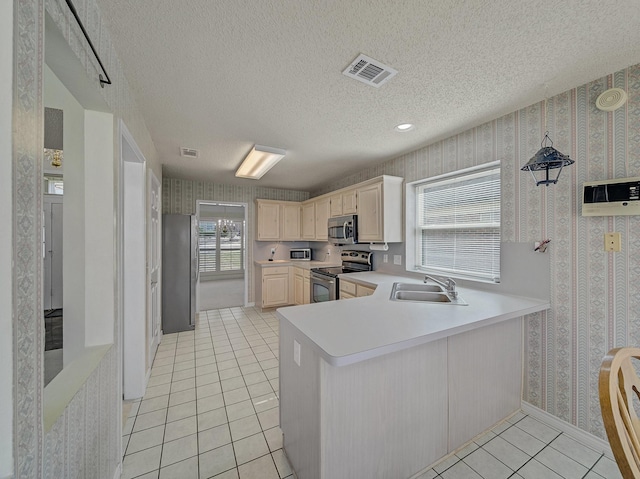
(363, 290)
(268, 221)
(349, 204)
(370, 213)
(336, 205)
(275, 290)
(309, 221)
(298, 288)
(306, 292)
(322, 217)
(291, 222)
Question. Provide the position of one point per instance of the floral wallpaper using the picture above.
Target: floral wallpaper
(595, 296)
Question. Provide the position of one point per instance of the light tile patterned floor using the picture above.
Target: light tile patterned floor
(211, 410)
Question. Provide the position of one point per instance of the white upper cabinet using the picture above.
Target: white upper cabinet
(291, 221)
(323, 206)
(278, 220)
(380, 210)
(343, 203)
(309, 221)
(268, 213)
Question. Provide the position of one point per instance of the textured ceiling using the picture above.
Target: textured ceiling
(222, 75)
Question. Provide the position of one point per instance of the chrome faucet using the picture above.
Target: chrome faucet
(449, 285)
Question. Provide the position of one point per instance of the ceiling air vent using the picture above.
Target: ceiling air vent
(189, 152)
(367, 70)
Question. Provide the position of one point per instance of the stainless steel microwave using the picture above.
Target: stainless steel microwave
(343, 229)
(300, 254)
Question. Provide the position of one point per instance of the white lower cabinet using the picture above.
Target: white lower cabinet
(354, 290)
(275, 286)
(396, 414)
(301, 285)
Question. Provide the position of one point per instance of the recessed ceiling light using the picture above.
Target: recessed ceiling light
(405, 127)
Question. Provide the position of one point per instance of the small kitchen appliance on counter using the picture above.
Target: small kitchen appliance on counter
(300, 254)
(324, 281)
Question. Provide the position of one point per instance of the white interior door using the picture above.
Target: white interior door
(52, 270)
(153, 265)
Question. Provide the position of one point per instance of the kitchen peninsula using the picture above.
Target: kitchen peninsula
(376, 388)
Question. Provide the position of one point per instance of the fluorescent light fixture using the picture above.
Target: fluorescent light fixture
(259, 160)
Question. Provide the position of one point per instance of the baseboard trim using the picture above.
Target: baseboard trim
(576, 433)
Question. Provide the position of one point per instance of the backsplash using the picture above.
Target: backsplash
(595, 297)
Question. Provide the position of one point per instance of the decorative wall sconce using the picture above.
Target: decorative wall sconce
(547, 158)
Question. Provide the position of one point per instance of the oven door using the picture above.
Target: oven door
(323, 288)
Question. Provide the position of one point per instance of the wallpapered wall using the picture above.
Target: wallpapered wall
(180, 197)
(86, 439)
(595, 296)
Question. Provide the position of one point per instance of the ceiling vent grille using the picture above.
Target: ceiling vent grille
(367, 70)
(189, 152)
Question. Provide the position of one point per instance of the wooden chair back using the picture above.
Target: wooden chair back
(619, 386)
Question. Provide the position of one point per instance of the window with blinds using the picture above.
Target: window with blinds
(221, 245)
(458, 225)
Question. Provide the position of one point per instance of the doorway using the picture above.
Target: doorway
(222, 247)
(136, 366)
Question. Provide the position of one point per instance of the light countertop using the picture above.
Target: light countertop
(354, 330)
(299, 263)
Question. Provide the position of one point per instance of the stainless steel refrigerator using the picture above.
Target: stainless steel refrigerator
(179, 272)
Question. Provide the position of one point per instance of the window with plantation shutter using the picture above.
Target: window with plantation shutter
(221, 246)
(458, 225)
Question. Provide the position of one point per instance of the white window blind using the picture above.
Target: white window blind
(458, 225)
(207, 240)
(221, 244)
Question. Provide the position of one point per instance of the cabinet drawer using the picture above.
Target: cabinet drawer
(364, 290)
(348, 287)
(275, 270)
(344, 295)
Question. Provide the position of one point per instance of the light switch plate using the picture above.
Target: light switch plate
(397, 259)
(385, 258)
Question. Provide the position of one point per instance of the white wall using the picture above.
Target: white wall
(99, 228)
(6, 332)
(73, 271)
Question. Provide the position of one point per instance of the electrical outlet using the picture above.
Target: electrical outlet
(397, 259)
(296, 352)
(385, 258)
(612, 242)
(273, 251)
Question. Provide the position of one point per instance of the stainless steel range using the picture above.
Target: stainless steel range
(325, 282)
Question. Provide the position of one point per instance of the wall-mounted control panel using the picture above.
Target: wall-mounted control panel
(620, 197)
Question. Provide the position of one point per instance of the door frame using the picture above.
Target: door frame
(132, 256)
(245, 206)
(153, 340)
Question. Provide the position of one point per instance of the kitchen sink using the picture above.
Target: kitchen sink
(424, 293)
(420, 287)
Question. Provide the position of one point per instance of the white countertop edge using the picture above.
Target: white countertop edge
(339, 361)
(361, 312)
